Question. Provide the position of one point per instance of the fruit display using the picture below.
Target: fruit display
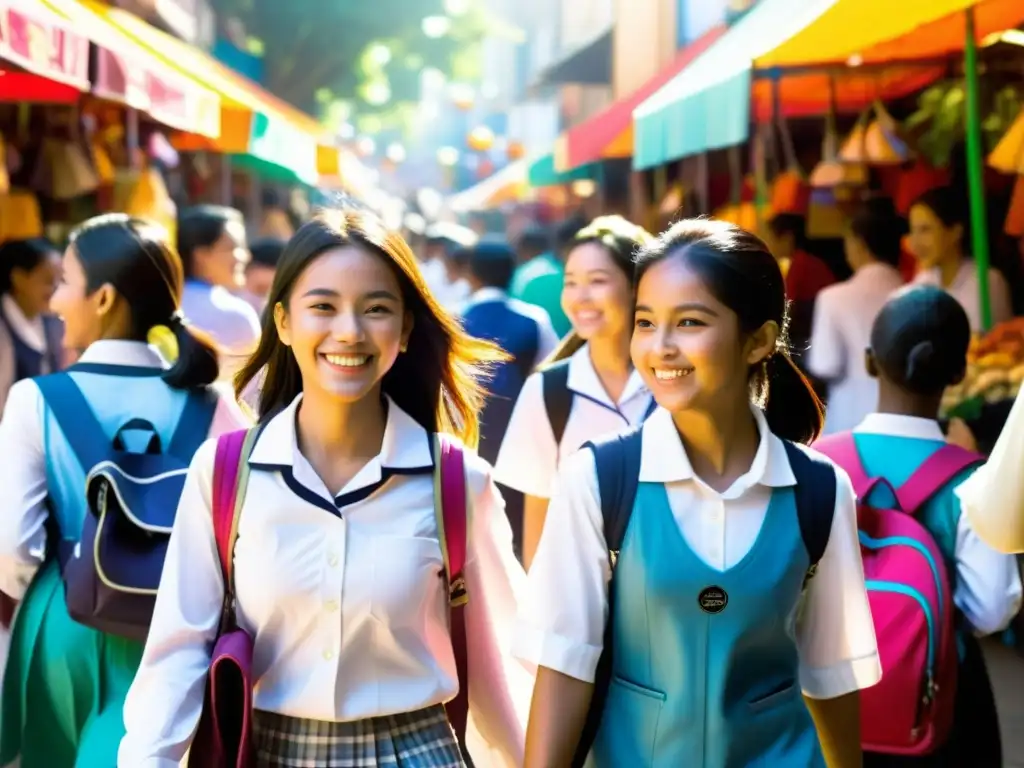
(995, 370)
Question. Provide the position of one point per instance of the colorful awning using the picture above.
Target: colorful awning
(42, 43)
(609, 134)
(253, 121)
(872, 31)
(126, 72)
(707, 105)
(542, 172)
(507, 185)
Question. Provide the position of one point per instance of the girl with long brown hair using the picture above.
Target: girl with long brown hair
(338, 561)
(588, 387)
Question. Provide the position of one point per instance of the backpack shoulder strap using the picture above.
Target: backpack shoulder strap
(451, 510)
(78, 422)
(557, 397)
(815, 494)
(935, 471)
(193, 423)
(617, 463)
(230, 481)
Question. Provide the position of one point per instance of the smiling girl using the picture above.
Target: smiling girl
(719, 617)
(338, 563)
(588, 387)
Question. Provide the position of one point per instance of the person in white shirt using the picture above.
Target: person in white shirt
(719, 618)
(938, 232)
(844, 312)
(30, 337)
(212, 245)
(66, 682)
(442, 242)
(338, 563)
(589, 386)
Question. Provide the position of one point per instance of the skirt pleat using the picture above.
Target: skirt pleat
(422, 739)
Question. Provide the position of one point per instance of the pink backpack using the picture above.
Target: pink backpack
(910, 712)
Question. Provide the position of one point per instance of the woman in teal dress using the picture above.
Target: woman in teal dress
(65, 683)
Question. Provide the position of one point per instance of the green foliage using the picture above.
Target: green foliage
(938, 124)
(317, 52)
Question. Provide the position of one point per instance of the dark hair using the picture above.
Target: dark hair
(621, 239)
(565, 233)
(266, 251)
(740, 271)
(135, 257)
(880, 228)
(919, 340)
(948, 206)
(534, 240)
(436, 381)
(492, 262)
(200, 227)
(25, 255)
(794, 224)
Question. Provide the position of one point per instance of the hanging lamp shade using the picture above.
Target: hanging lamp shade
(875, 140)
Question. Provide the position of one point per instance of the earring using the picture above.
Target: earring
(403, 348)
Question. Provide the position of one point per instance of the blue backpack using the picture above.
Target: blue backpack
(111, 573)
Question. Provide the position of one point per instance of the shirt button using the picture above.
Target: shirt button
(328, 655)
(332, 560)
(331, 606)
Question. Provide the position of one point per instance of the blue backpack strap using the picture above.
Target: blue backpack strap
(617, 464)
(81, 428)
(557, 397)
(815, 494)
(193, 423)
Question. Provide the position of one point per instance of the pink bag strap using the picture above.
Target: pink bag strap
(230, 480)
(935, 471)
(453, 529)
(841, 447)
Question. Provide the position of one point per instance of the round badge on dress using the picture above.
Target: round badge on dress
(712, 599)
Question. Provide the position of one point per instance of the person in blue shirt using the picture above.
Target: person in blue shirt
(919, 348)
(523, 330)
(726, 641)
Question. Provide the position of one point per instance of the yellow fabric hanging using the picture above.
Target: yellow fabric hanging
(149, 199)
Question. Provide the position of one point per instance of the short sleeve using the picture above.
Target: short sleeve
(827, 354)
(565, 606)
(528, 457)
(835, 633)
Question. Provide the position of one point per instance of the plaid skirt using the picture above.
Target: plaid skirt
(422, 739)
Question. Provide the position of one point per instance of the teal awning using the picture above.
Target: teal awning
(542, 172)
(707, 106)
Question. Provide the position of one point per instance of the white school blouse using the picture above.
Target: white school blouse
(563, 613)
(529, 458)
(964, 289)
(843, 316)
(343, 593)
(987, 585)
(23, 469)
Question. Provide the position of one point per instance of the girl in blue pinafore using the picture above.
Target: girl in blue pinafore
(918, 348)
(65, 683)
(715, 634)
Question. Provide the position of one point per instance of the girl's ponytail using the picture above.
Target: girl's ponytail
(194, 357)
(790, 403)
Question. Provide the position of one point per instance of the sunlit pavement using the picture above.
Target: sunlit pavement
(1006, 669)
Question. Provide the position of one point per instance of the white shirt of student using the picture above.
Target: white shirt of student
(547, 339)
(341, 590)
(23, 470)
(529, 458)
(964, 289)
(563, 613)
(988, 585)
(843, 316)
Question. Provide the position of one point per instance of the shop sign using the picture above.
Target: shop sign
(42, 44)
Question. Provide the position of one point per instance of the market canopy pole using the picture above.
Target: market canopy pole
(975, 173)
